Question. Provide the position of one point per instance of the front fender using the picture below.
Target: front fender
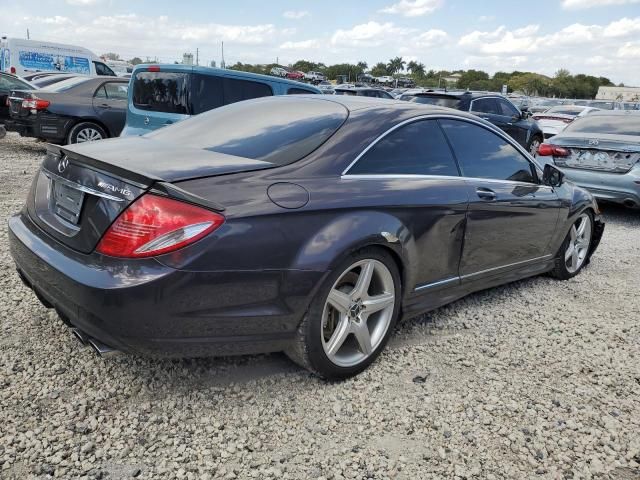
(353, 231)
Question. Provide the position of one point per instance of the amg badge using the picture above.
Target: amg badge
(113, 188)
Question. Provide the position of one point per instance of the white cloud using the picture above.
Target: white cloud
(430, 38)
(413, 8)
(623, 27)
(83, 3)
(369, 34)
(630, 50)
(580, 4)
(301, 45)
(501, 41)
(295, 15)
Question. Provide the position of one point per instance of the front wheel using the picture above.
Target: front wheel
(351, 318)
(574, 253)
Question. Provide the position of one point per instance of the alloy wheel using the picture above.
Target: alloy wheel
(88, 135)
(579, 241)
(533, 148)
(358, 312)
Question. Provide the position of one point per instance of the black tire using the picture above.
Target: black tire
(560, 270)
(79, 128)
(530, 145)
(307, 349)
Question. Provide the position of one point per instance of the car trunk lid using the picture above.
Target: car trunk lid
(80, 190)
(604, 152)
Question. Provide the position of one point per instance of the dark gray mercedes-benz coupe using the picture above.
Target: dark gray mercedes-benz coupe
(301, 224)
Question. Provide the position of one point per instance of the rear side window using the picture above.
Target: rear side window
(161, 92)
(419, 148)
(116, 90)
(485, 105)
(298, 91)
(278, 131)
(483, 154)
(206, 93)
(236, 90)
(507, 109)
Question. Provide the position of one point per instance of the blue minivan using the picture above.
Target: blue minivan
(160, 95)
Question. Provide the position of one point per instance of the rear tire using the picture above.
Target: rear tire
(86, 132)
(574, 252)
(351, 318)
(535, 142)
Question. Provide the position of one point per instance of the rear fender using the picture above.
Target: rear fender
(348, 233)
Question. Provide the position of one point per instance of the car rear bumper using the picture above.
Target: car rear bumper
(148, 308)
(49, 127)
(611, 187)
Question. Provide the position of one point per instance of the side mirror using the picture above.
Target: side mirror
(552, 176)
(525, 113)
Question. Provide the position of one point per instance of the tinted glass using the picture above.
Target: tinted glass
(628, 124)
(485, 105)
(102, 69)
(346, 92)
(603, 105)
(439, 100)
(236, 90)
(418, 148)
(206, 93)
(8, 83)
(116, 90)
(298, 91)
(162, 92)
(100, 92)
(507, 109)
(278, 131)
(483, 154)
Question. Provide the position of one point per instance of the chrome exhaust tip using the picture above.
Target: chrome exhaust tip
(82, 337)
(100, 348)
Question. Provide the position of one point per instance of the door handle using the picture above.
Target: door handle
(485, 193)
(104, 105)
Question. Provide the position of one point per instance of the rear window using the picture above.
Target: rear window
(161, 92)
(298, 91)
(565, 110)
(65, 84)
(278, 131)
(439, 100)
(603, 105)
(346, 92)
(607, 124)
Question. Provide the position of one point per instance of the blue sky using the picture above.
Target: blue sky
(599, 37)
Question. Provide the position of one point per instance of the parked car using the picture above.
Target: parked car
(600, 152)
(315, 77)
(541, 104)
(9, 82)
(326, 87)
(76, 110)
(297, 224)
(294, 75)
(163, 94)
(606, 105)
(21, 57)
(385, 79)
(555, 120)
(491, 107)
(364, 92)
(278, 72)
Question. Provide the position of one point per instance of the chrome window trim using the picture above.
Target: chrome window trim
(437, 116)
(392, 176)
(82, 188)
(479, 272)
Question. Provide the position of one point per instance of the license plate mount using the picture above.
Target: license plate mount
(67, 202)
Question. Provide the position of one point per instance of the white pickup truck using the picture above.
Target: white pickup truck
(315, 77)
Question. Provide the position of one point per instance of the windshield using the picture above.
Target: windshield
(439, 100)
(607, 124)
(65, 84)
(277, 130)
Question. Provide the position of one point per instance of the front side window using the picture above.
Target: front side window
(484, 154)
(102, 69)
(419, 148)
(507, 109)
(162, 92)
(236, 90)
(485, 105)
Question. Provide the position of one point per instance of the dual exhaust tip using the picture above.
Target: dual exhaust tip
(100, 348)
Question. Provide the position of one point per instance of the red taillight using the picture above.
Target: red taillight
(153, 68)
(12, 70)
(546, 150)
(154, 225)
(35, 104)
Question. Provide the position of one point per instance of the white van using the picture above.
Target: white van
(21, 57)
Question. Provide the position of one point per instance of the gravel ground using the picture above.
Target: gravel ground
(538, 379)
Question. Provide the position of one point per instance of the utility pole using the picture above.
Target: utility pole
(197, 57)
(222, 65)
(28, 37)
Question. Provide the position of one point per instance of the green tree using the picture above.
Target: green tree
(417, 69)
(135, 61)
(473, 79)
(395, 65)
(379, 70)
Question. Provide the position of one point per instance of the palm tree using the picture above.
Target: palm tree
(362, 66)
(416, 68)
(396, 65)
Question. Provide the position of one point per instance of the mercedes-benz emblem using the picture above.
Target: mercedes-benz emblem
(146, 120)
(62, 164)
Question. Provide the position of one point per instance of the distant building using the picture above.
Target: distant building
(453, 78)
(621, 94)
(187, 58)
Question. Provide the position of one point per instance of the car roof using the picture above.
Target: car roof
(219, 71)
